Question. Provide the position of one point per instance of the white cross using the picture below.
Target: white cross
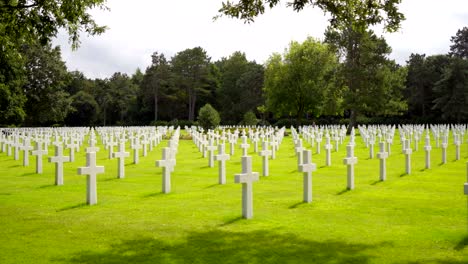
(328, 148)
(120, 155)
(211, 148)
(91, 170)
(167, 165)
(72, 146)
(307, 167)
(26, 147)
(382, 155)
(221, 158)
(350, 160)
(247, 177)
(265, 154)
(110, 146)
(244, 146)
(407, 151)
(427, 149)
(136, 146)
(16, 144)
(59, 159)
(299, 150)
(39, 152)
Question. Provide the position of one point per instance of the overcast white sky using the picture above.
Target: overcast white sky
(137, 28)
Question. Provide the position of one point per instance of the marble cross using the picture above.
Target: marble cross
(247, 177)
(211, 149)
(307, 167)
(328, 148)
(265, 154)
(244, 146)
(39, 152)
(59, 159)
(26, 147)
(349, 161)
(407, 151)
(91, 170)
(167, 165)
(221, 158)
(121, 155)
(427, 149)
(136, 146)
(382, 156)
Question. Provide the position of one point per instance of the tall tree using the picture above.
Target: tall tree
(298, 82)
(35, 21)
(459, 48)
(156, 81)
(191, 68)
(373, 83)
(240, 87)
(351, 18)
(452, 91)
(47, 78)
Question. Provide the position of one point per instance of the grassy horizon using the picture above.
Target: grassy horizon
(416, 218)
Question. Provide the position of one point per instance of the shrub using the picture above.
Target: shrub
(208, 117)
(250, 119)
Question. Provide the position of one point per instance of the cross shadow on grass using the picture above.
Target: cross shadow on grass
(229, 247)
(343, 192)
(376, 182)
(462, 244)
(232, 221)
(72, 207)
(149, 195)
(294, 206)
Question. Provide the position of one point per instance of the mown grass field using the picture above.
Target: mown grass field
(417, 218)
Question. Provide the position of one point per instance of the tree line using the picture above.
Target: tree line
(348, 77)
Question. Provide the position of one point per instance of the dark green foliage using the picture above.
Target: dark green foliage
(208, 117)
(452, 91)
(459, 48)
(30, 23)
(85, 110)
(250, 119)
(191, 69)
(298, 82)
(240, 87)
(46, 79)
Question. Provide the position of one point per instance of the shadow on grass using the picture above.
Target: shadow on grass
(232, 221)
(153, 194)
(462, 244)
(211, 186)
(15, 166)
(71, 207)
(294, 206)
(376, 182)
(404, 174)
(230, 247)
(28, 174)
(46, 186)
(343, 192)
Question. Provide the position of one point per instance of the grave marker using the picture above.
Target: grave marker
(349, 161)
(221, 158)
(382, 156)
(121, 155)
(407, 151)
(167, 165)
(59, 159)
(247, 177)
(307, 167)
(265, 153)
(91, 170)
(427, 149)
(26, 148)
(39, 152)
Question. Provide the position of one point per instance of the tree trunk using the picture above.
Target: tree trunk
(105, 111)
(155, 107)
(192, 109)
(352, 121)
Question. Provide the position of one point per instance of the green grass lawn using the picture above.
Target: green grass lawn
(417, 218)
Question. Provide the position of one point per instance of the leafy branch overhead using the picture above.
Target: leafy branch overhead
(343, 13)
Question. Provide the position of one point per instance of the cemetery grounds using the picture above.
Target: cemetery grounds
(416, 218)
